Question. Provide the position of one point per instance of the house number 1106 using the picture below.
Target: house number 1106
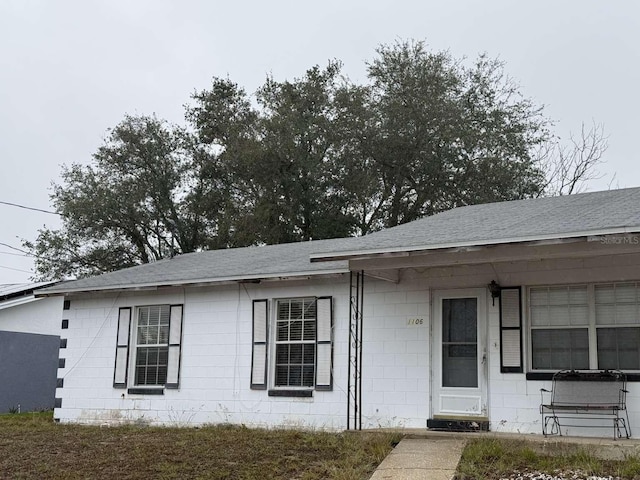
(415, 321)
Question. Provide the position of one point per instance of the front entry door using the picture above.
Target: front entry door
(459, 354)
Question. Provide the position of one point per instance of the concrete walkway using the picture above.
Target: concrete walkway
(421, 459)
(429, 455)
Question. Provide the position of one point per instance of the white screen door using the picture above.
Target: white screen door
(459, 353)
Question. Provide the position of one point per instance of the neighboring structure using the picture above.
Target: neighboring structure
(29, 342)
(452, 320)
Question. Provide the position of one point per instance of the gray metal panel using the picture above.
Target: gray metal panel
(28, 368)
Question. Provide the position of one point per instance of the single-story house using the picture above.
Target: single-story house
(455, 319)
(29, 341)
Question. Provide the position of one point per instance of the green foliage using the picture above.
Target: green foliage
(281, 159)
(447, 134)
(312, 158)
(141, 200)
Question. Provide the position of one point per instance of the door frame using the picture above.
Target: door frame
(463, 394)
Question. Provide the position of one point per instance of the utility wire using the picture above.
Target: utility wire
(16, 254)
(15, 269)
(24, 252)
(29, 208)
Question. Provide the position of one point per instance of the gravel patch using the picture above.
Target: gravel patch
(560, 475)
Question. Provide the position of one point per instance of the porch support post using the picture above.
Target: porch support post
(354, 378)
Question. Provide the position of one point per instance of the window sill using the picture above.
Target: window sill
(539, 375)
(291, 393)
(631, 377)
(145, 391)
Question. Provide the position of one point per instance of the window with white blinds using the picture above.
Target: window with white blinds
(294, 350)
(618, 326)
(295, 342)
(585, 326)
(148, 344)
(559, 318)
(152, 345)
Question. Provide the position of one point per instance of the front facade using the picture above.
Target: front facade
(407, 335)
(184, 357)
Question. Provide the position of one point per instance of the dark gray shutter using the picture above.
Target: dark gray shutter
(324, 344)
(259, 345)
(510, 330)
(122, 348)
(175, 339)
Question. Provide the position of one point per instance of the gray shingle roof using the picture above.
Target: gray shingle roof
(596, 213)
(273, 261)
(593, 213)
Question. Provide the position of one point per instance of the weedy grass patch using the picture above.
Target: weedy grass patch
(32, 446)
(491, 458)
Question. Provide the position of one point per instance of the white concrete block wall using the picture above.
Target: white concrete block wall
(216, 361)
(216, 352)
(395, 370)
(513, 404)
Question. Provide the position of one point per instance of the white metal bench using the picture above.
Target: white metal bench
(586, 395)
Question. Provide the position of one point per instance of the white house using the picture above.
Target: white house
(456, 319)
(29, 342)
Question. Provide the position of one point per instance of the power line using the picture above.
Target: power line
(16, 269)
(22, 253)
(16, 254)
(28, 254)
(29, 208)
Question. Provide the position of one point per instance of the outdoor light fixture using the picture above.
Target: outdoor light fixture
(494, 289)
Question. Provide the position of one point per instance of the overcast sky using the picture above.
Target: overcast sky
(69, 70)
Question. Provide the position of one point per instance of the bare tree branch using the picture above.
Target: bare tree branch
(569, 168)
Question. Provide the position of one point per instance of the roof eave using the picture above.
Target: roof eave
(26, 290)
(17, 301)
(205, 282)
(401, 251)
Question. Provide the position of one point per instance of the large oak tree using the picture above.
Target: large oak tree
(311, 158)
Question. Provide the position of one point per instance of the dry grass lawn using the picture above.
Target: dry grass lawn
(32, 446)
(491, 458)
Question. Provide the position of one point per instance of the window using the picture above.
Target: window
(585, 327)
(618, 326)
(559, 327)
(148, 343)
(298, 342)
(295, 343)
(152, 345)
